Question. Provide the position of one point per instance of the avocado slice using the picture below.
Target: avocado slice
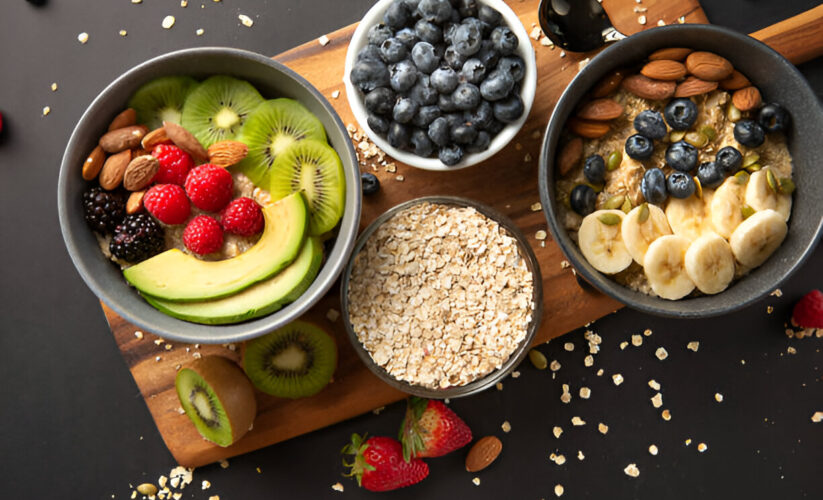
(174, 275)
(257, 300)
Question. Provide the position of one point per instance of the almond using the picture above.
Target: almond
(735, 82)
(708, 66)
(123, 138)
(664, 69)
(673, 53)
(227, 153)
(139, 172)
(126, 118)
(600, 110)
(608, 84)
(113, 170)
(746, 98)
(153, 138)
(646, 88)
(570, 155)
(588, 128)
(135, 202)
(694, 86)
(483, 453)
(184, 140)
(93, 164)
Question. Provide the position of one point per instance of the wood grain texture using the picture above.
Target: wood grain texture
(799, 38)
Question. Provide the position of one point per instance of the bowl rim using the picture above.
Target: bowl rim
(517, 355)
(527, 92)
(189, 331)
(631, 298)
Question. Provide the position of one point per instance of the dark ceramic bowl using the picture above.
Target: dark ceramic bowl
(105, 279)
(778, 80)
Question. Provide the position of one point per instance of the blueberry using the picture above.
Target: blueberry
(650, 124)
(379, 33)
(446, 103)
(378, 123)
(709, 174)
(728, 160)
(453, 58)
(398, 135)
(509, 109)
(369, 52)
(466, 39)
(454, 119)
(424, 58)
(487, 54)
(496, 86)
(466, 96)
(595, 169)
(403, 75)
(481, 116)
(369, 183)
(480, 143)
(448, 32)
(423, 92)
(495, 127)
(680, 113)
(380, 100)
(749, 133)
(473, 71)
(411, 6)
(404, 110)
(512, 65)
(396, 15)
(435, 10)
(477, 23)
(438, 131)
(489, 16)
(428, 31)
(444, 80)
(369, 74)
(504, 40)
(408, 37)
(774, 118)
(450, 155)
(639, 147)
(653, 186)
(680, 185)
(393, 50)
(421, 144)
(425, 115)
(582, 199)
(466, 8)
(463, 133)
(681, 156)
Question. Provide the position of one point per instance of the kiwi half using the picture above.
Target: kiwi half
(295, 361)
(270, 130)
(218, 398)
(161, 100)
(313, 167)
(216, 109)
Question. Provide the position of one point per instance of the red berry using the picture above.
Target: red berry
(431, 429)
(203, 235)
(379, 466)
(167, 203)
(808, 312)
(209, 187)
(243, 217)
(174, 164)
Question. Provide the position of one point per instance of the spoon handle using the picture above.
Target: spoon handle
(799, 38)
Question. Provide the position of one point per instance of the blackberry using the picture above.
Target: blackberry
(103, 210)
(137, 238)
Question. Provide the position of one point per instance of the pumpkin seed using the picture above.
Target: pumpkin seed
(772, 181)
(614, 202)
(676, 135)
(643, 216)
(733, 114)
(742, 177)
(609, 218)
(754, 167)
(746, 211)
(709, 132)
(538, 359)
(147, 489)
(614, 160)
(787, 185)
(696, 139)
(627, 205)
(750, 158)
(698, 188)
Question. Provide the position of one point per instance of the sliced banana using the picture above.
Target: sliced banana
(757, 237)
(601, 243)
(665, 267)
(638, 235)
(690, 217)
(725, 208)
(760, 196)
(710, 263)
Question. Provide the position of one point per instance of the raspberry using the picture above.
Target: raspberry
(209, 187)
(168, 203)
(203, 235)
(242, 217)
(174, 164)
(808, 312)
(137, 238)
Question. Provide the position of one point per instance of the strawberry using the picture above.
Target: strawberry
(808, 312)
(431, 429)
(379, 466)
(203, 235)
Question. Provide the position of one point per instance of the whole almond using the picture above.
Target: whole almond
(693, 86)
(589, 129)
(708, 66)
(735, 82)
(140, 172)
(123, 138)
(184, 140)
(570, 155)
(113, 170)
(227, 153)
(126, 118)
(664, 69)
(646, 88)
(153, 138)
(673, 53)
(746, 98)
(601, 110)
(608, 84)
(135, 202)
(483, 453)
(93, 164)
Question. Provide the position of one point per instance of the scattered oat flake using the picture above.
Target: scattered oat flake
(681, 19)
(515, 374)
(603, 428)
(184, 3)
(588, 360)
(647, 332)
(546, 42)
(323, 40)
(701, 447)
(379, 410)
(224, 464)
(123, 32)
(400, 178)
(562, 53)
(632, 470)
(777, 293)
(560, 459)
(641, 20)
(600, 372)
(332, 315)
(637, 340)
(540, 235)
(138, 334)
(499, 386)
(585, 392)
(536, 207)
(335, 94)
(693, 346)
(337, 487)
(506, 426)
(536, 33)
(577, 421)
(54, 87)
(791, 350)
(214, 497)
(83, 37)
(476, 481)
(136, 1)
(554, 365)
(617, 378)
(661, 353)
(168, 22)
(653, 449)
(46, 110)
(624, 345)
(654, 384)
(666, 414)
(199, 32)
(569, 346)
(564, 264)
(205, 484)
(657, 400)
(557, 431)
(527, 158)
(817, 417)
(769, 309)
(661, 22)
(245, 20)
(558, 490)
(580, 455)
(718, 397)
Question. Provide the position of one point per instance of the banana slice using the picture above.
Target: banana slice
(665, 267)
(601, 242)
(757, 237)
(725, 208)
(638, 235)
(710, 263)
(760, 196)
(690, 217)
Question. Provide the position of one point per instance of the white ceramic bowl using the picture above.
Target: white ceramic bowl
(527, 89)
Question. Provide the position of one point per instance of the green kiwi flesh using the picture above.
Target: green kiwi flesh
(161, 100)
(295, 361)
(315, 168)
(216, 109)
(270, 130)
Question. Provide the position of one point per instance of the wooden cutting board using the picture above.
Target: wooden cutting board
(507, 182)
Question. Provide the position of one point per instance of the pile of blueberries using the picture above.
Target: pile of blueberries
(440, 77)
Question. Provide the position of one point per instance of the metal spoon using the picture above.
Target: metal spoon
(577, 25)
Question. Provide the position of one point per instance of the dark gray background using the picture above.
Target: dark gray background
(73, 424)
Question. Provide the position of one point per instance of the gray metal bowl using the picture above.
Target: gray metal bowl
(481, 383)
(778, 80)
(272, 79)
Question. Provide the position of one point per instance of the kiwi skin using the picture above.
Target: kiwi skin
(229, 385)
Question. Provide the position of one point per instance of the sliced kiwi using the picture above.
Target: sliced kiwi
(271, 129)
(218, 398)
(216, 109)
(161, 100)
(313, 167)
(295, 361)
